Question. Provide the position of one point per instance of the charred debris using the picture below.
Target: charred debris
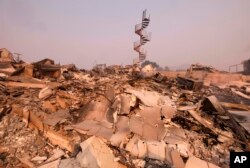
(59, 116)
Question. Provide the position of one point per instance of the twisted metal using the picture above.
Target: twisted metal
(144, 36)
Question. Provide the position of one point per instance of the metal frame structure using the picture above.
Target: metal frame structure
(144, 36)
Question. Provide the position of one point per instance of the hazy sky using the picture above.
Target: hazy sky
(85, 32)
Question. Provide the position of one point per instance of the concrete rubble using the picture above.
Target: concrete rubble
(112, 116)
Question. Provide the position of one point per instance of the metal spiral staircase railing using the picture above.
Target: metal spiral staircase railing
(144, 36)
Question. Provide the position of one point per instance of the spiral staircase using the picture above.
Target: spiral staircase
(144, 36)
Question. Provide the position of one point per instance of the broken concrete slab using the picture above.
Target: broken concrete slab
(139, 163)
(156, 150)
(149, 125)
(142, 149)
(137, 147)
(123, 103)
(122, 124)
(145, 130)
(150, 149)
(155, 115)
(98, 110)
(149, 98)
(177, 161)
(194, 162)
(95, 153)
(132, 146)
(122, 131)
(118, 139)
(126, 101)
(69, 163)
(184, 149)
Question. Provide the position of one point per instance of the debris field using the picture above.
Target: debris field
(61, 116)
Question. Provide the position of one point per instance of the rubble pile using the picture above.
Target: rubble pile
(60, 116)
(200, 67)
